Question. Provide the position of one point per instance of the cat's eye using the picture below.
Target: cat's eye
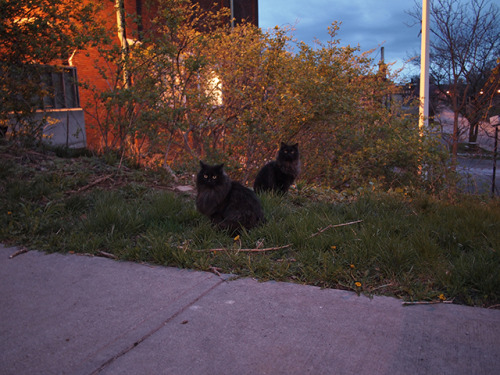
(214, 177)
(205, 176)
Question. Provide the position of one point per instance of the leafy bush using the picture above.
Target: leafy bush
(231, 95)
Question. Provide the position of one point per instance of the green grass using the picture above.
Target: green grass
(412, 246)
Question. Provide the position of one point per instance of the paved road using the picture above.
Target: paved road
(478, 175)
(69, 314)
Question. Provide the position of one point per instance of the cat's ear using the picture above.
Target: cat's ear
(283, 144)
(202, 165)
(220, 167)
(296, 145)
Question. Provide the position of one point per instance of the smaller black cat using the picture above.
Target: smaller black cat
(228, 204)
(280, 174)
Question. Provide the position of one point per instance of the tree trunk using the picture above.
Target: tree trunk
(122, 35)
(473, 132)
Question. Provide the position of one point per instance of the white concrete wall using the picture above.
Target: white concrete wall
(67, 130)
(65, 127)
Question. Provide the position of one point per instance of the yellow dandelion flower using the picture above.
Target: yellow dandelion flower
(358, 284)
(333, 247)
(442, 297)
(9, 212)
(237, 237)
(352, 266)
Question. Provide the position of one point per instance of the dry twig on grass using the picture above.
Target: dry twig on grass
(107, 255)
(261, 250)
(334, 226)
(93, 183)
(246, 250)
(18, 252)
(216, 270)
(424, 303)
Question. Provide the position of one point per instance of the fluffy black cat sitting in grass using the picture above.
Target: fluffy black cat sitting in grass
(227, 203)
(280, 174)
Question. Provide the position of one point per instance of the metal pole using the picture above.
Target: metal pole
(495, 153)
(232, 13)
(424, 69)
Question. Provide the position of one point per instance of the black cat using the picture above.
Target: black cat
(280, 174)
(228, 204)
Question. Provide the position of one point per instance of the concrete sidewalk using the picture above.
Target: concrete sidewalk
(70, 314)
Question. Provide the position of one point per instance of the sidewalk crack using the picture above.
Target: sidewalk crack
(153, 331)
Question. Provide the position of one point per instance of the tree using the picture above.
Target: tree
(327, 98)
(260, 103)
(163, 103)
(232, 94)
(465, 43)
(356, 135)
(34, 33)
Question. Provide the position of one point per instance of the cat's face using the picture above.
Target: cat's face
(211, 175)
(289, 152)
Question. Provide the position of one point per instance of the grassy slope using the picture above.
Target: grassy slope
(416, 248)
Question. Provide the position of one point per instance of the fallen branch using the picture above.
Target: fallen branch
(93, 183)
(18, 252)
(381, 286)
(256, 250)
(107, 255)
(424, 303)
(216, 270)
(334, 226)
(259, 250)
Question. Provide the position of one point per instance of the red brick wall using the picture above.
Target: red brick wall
(86, 61)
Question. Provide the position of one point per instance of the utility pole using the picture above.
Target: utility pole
(231, 5)
(423, 120)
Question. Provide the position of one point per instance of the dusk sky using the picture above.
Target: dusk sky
(369, 23)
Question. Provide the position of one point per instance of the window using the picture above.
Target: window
(62, 85)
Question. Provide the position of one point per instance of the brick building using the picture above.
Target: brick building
(85, 61)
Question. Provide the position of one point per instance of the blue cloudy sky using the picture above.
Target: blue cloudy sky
(369, 23)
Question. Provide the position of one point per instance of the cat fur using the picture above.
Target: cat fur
(229, 205)
(278, 175)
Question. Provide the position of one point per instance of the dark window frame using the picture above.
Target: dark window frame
(61, 82)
